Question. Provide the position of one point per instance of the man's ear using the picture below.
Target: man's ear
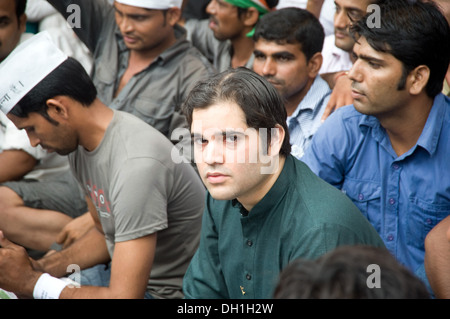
(276, 140)
(173, 15)
(22, 23)
(250, 17)
(418, 79)
(58, 108)
(314, 64)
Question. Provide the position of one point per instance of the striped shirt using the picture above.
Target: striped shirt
(306, 119)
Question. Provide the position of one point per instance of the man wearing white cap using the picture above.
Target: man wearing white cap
(143, 63)
(147, 208)
(226, 38)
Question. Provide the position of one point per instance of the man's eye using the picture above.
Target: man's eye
(231, 139)
(283, 58)
(259, 56)
(374, 65)
(199, 141)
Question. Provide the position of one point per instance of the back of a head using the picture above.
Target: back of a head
(415, 32)
(345, 274)
(292, 25)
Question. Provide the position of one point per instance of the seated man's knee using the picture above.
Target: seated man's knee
(9, 198)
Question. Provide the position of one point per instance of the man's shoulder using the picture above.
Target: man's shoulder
(347, 116)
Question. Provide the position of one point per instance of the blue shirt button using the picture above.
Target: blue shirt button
(391, 201)
(390, 237)
(360, 196)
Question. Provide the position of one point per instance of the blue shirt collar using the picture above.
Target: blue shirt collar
(319, 88)
(429, 137)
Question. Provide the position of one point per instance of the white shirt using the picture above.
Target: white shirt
(334, 58)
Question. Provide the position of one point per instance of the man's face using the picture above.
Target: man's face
(283, 65)
(10, 27)
(54, 138)
(224, 20)
(227, 153)
(346, 11)
(142, 29)
(376, 78)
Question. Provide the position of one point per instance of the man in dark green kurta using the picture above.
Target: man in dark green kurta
(255, 223)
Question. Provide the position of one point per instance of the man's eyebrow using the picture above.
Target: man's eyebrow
(284, 54)
(367, 58)
(4, 19)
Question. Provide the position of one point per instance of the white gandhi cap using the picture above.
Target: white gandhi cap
(153, 4)
(27, 65)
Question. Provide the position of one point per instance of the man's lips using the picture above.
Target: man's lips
(215, 178)
(129, 39)
(357, 94)
(212, 23)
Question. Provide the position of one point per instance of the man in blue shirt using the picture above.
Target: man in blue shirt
(389, 151)
(288, 45)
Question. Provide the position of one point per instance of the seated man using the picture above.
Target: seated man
(337, 52)
(264, 208)
(388, 150)
(226, 38)
(146, 204)
(287, 53)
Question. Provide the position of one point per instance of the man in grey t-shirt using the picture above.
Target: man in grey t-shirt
(146, 202)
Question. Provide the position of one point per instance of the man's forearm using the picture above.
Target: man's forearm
(88, 251)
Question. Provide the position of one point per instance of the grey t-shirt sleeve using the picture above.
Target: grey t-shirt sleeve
(139, 198)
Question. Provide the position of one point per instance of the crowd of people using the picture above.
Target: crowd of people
(231, 149)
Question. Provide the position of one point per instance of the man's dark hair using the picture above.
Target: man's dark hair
(414, 32)
(344, 274)
(20, 8)
(259, 100)
(68, 79)
(292, 25)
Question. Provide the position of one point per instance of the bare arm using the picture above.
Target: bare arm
(128, 279)
(315, 7)
(341, 95)
(15, 164)
(77, 227)
(437, 258)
